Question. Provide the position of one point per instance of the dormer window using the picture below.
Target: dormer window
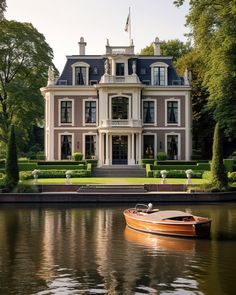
(80, 73)
(120, 69)
(159, 74)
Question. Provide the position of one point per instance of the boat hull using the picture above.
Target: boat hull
(185, 229)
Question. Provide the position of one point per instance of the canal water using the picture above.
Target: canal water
(87, 249)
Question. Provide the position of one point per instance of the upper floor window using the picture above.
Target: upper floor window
(120, 107)
(148, 112)
(120, 69)
(159, 74)
(66, 111)
(80, 73)
(172, 112)
(90, 111)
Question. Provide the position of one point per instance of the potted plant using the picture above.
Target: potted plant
(189, 174)
(68, 176)
(35, 174)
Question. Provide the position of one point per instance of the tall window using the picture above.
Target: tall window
(66, 111)
(172, 112)
(172, 147)
(80, 75)
(90, 146)
(159, 76)
(120, 107)
(90, 112)
(120, 69)
(148, 111)
(148, 146)
(66, 147)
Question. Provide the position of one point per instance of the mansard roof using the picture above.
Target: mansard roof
(143, 67)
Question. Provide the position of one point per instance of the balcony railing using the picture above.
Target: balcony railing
(121, 123)
(120, 79)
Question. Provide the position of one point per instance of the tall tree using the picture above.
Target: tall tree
(203, 123)
(12, 171)
(3, 6)
(213, 25)
(175, 48)
(24, 60)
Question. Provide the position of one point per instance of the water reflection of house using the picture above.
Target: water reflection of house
(118, 107)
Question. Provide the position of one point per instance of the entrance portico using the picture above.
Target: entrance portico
(121, 147)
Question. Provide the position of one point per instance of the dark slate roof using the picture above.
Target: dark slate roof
(143, 68)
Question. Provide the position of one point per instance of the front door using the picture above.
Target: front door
(119, 150)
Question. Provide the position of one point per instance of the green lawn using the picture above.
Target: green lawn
(102, 181)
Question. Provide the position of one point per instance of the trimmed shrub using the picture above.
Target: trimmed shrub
(77, 156)
(12, 171)
(232, 177)
(219, 178)
(26, 166)
(146, 161)
(54, 174)
(60, 163)
(207, 175)
(40, 155)
(178, 174)
(162, 156)
(149, 172)
(229, 164)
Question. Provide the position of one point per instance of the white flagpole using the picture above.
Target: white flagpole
(129, 27)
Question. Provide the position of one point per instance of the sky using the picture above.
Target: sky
(63, 22)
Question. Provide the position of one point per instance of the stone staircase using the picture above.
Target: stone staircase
(119, 171)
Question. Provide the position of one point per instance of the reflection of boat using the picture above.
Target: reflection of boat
(167, 222)
(157, 242)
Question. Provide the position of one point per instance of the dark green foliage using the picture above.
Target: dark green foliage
(24, 60)
(219, 177)
(199, 167)
(60, 163)
(232, 177)
(178, 174)
(149, 172)
(77, 156)
(229, 165)
(27, 166)
(161, 156)
(91, 161)
(24, 175)
(12, 172)
(146, 161)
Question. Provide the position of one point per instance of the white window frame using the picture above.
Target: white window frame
(179, 143)
(60, 100)
(110, 105)
(59, 143)
(96, 146)
(80, 64)
(162, 65)
(155, 112)
(179, 111)
(90, 124)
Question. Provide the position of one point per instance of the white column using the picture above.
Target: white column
(50, 114)
(140, 146)
(107, 149)
(100, 137)
(132, 149)
(188, 125)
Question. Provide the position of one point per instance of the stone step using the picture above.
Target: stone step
(119, 172)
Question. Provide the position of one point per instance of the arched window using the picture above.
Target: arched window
(159, 74)
(80, 73)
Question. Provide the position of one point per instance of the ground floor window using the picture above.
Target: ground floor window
(148, 146)
(172, 147)
(66, 147)
(90, 146)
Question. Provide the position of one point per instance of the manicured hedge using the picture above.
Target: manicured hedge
(60, 163)
(199, 166)
(27, 166)
(24, 175)
(91, 161)
(229, 164)
(178, 174)
(174, 162)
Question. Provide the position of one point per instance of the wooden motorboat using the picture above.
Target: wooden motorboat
(167, 222)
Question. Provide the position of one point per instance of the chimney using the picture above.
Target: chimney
(157, 46)
(82, 45)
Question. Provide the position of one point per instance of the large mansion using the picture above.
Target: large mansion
(117, 107)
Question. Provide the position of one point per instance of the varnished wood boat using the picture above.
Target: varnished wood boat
(168, 222)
